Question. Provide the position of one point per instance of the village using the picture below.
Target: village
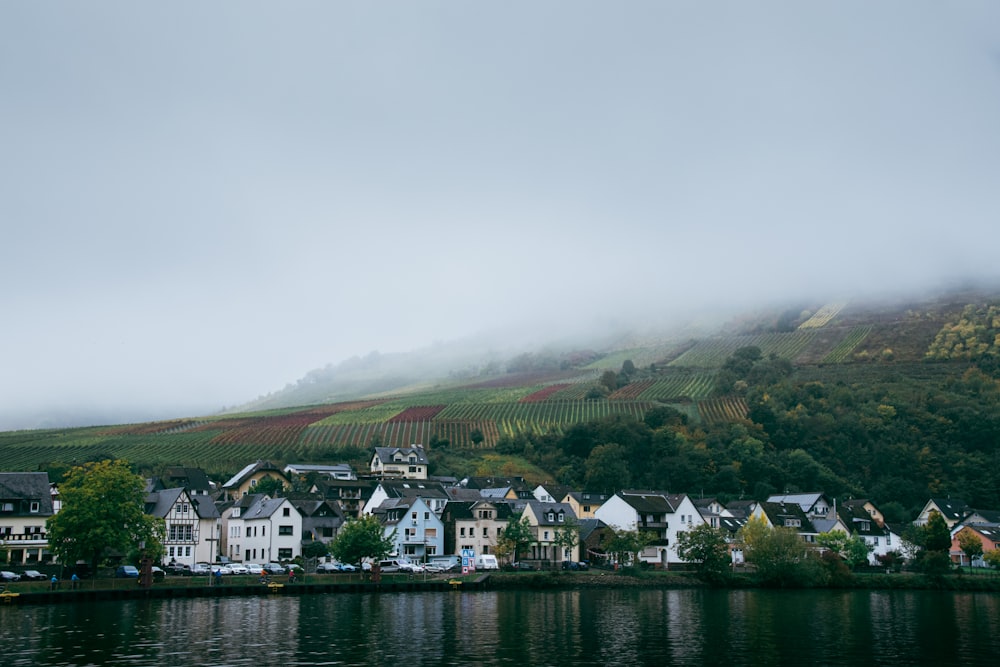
(456, 523)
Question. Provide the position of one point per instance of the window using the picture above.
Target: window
(284, 530)
(187, 551)
(34, 506)
(431, 550)
(6, 530)
(7, 507)
(561, 517)
(170, 552)
(427, 516)
(286, 511)
(182, 508)
(326, 531)
(586, 508)
(284, 554)
(253, 483)
(546, 535)
(413, 469)
(263, 531)
(410, 550)
(462, 531)
(552, 517)
(486, 531)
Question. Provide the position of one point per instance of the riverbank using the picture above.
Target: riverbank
(101, 590)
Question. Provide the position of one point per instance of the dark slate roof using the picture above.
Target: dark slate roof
(652, 502)
(466, 511)
(23, 488)
(541, 511)
(984, 516)
(400, 488)
(192, 479)
(777, 513)
(205, 507)
(588, 526)
(159, 503)
(591, 497)
(460, 494)
(741, 508)
(953, 509)
(249, 470)
(859, 521)
(731, 525)
(494, 482)
(317, 508)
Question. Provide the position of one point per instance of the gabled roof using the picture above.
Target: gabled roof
(312, 508)
(953, 509)
(652, 502)
(22, 488)
(498, 492)
(466, 511)
(205, 507)
(518, 483)
(989, 531)
(731, 525)
(159, 503)
(249, 470)
(411, 488)
(191, 479)
(541, 511)
(804, 500)
(261, 507)
(859, 521)
(779, 513)
(983, 516)
(589, 497)
(460, 494)
(740, 509)
(386, 454)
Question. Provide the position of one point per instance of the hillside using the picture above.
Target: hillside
(911, 354)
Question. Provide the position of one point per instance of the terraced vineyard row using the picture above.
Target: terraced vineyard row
(727, 409)
(682, 385)
(842, 352)
(713, 353)
(547, 412)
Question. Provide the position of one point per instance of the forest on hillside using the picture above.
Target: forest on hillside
(894, 436)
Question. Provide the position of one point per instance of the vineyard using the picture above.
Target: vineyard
(713, 353)
(721, 410)
(843, 351)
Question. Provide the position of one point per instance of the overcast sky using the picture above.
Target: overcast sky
(202, 201)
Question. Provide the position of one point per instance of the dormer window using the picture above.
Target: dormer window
(561, 517)
(552, 517)
(34, 506)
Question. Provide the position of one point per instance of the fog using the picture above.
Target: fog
(203, 201)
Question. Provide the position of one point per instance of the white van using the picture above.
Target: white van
(487, 562)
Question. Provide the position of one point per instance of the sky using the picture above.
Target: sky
(200, 202)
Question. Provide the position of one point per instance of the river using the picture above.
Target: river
(584, 627)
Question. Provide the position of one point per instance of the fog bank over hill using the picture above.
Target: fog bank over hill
(199, 209)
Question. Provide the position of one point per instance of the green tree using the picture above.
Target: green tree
(476, 436)
(851, 548)
(778, 554)
(707, 547)
(362, 538)
(270, 486)
(992, 558)
(315, 549)
(607, 468)
(935, 538)
(610, 380)
(516, 537)
(567, 535)
(103, 509)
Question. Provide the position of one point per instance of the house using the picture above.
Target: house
(867, 506)
(594, 538)
(658, 514)
(549, 492)
(988, 534)
(321, 519)
(191, 523)
(353, 495)
(26, 504)
(815, 505)
(433, 493)
(786, 515)
(861, 520)
(549, 523)
(474, 525)
(710, 510)
(585, 503)
(730, 527)
(417, 531)
(951, 510)
(243, 482)
(404, 462)
(261, 529)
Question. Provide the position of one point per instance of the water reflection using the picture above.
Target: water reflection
(603, 627)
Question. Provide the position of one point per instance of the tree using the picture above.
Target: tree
(315, 549)
(476, 436)
(778, 554)
(935, 538)
(970, 544)
(516, 537)
(362, 538)
(852, 548)
(270, 486)
(992, 558)
(103, 509)
(567, 535)
(627, 545)
(707, 547)
(610, 380)
(607, 468)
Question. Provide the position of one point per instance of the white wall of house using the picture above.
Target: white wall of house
(419, 533)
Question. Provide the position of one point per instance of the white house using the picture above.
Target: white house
(659, 514)
(262, 529)
(406, 462)
(191, 523)
(26, 504)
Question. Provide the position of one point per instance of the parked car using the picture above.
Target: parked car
(433, 569)
(179, 569)
(255, 568)
(411, 567)
(237, 568)
(202, 569)
(328, 568)
(6, 575)
(347, 567)
(127, 572)
(574, 565)
(158, 573)
(221, 570)
(33, 575)
(274, 568)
